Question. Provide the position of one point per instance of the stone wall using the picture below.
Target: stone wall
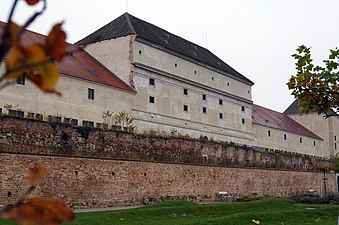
(24, 136)
(104, 183)
(98, 168)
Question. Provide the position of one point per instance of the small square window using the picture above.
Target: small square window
(243, 108)
(74, 122)
(185, 91)
(67, 120)
(151, 82)
(151, 99)
(221, 102)
(204, 110)
(21, 80)
(186, 108)
(221, 115)
(90, 93)
(204, 97)
(243, 121)
(39, 116)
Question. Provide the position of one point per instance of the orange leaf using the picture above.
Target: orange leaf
(32, 2)
(41, 212)
(54, 207)
(28, 215)
(56, 43)
(36, 174)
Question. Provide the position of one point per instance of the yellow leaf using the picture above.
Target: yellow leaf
(46, 77)
(15, 63)
(56, 43)
(36, 174)
(35, 54)
(23, 60)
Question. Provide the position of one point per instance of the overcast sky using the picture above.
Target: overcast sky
(255, 37)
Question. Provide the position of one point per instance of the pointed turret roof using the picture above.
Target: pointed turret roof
(127, 24)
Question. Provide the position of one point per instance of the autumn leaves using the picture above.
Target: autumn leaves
(38, 211)
(37, 61)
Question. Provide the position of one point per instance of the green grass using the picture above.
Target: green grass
(268, 211)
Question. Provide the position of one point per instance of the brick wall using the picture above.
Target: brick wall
(98, 168)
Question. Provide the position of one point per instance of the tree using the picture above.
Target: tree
(37, 63)
(316, 87)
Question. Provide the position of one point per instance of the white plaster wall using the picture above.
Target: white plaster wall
(164, 61)
(115, 54)
(167, 112)
(328, 129)
(73, 103)
(292, 142)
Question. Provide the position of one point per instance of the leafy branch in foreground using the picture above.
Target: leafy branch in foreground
(316, 87)
(37, 211)
(35, 61)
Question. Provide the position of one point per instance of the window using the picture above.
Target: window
(269, 133)
(335, 137)
(151, 82)
(221, 115)
(74, 122)
(204, 110)
(67, 120)
(335, 146)
(86, 123)
(204, 97)
(38, 116)
(285, 137)
(185, 91)
(301, 140)
(313, 143)
(151, 99)
(90, 93)
(220, 102)
(21, 80)
(243, 121)
(185, 108)
(243, 108)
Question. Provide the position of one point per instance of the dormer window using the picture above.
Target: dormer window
(21, 80)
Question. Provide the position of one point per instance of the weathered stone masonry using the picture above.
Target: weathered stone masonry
(100, 168)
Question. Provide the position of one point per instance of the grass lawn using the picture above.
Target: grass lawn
(268, 211)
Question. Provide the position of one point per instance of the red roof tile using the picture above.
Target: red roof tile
(79, 64)
(270, 118)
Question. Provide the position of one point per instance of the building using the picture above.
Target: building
(181, 87)
(167, 84)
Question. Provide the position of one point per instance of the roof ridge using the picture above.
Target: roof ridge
(127, 15)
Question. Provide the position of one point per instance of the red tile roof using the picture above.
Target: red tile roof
(270, 118)
(79, 64)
